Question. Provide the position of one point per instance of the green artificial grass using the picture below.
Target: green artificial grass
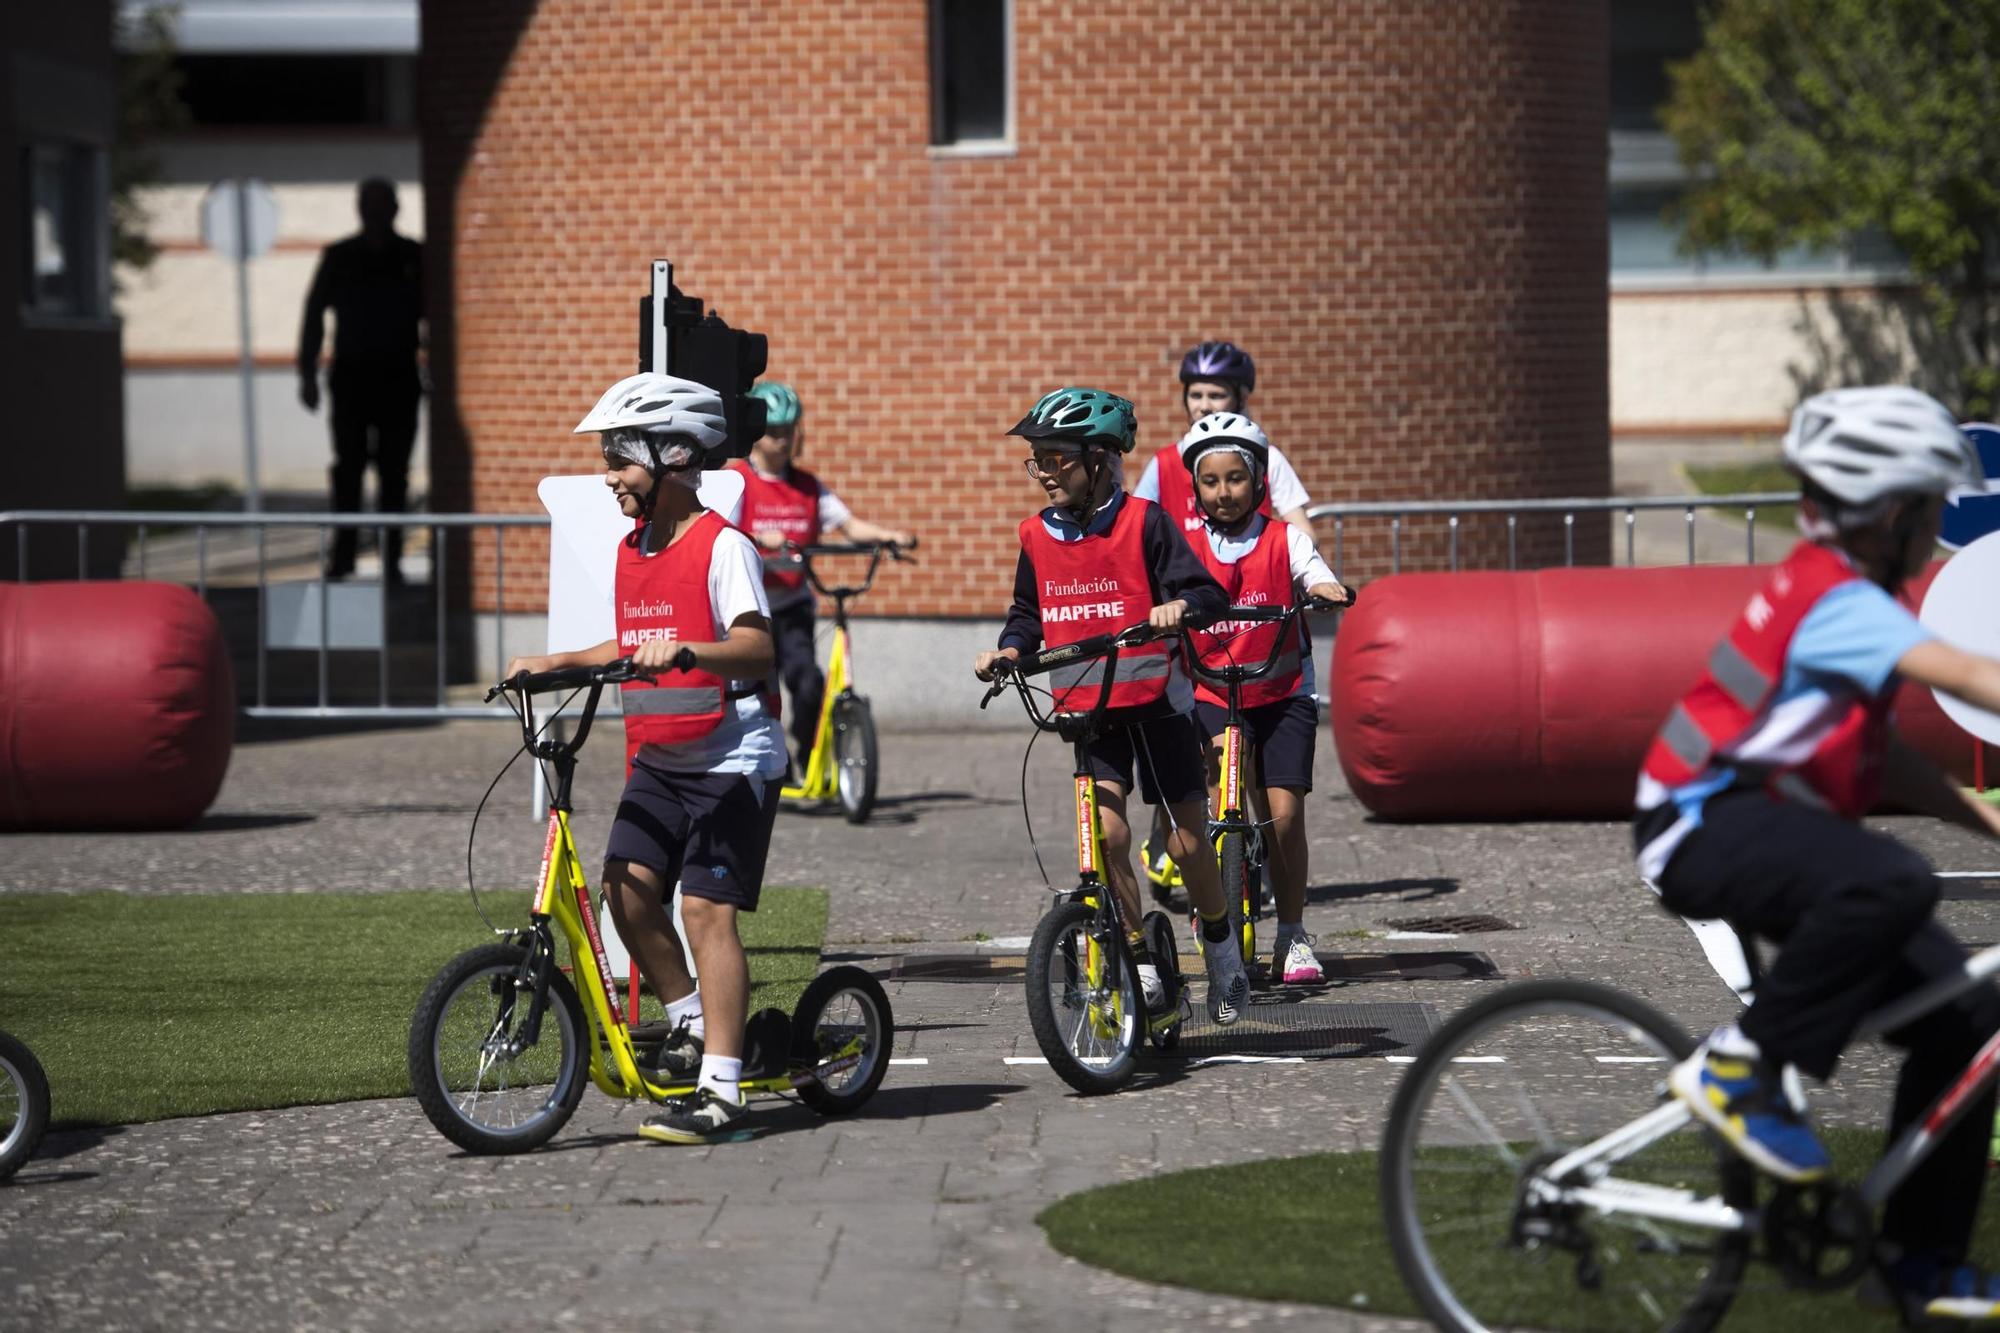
(142, 1008)
(1309, 1230)
(1778, 522)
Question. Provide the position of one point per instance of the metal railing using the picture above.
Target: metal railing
(1453, 511)
(135, 561)
(272, 530)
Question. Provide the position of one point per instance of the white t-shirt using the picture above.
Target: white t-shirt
(1287, 491)
(748, 739)
(1308, 570)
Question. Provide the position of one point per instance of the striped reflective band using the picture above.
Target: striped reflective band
(655, 700)
(1795, 788)
(1147, 667)
(1684, 740)
(1744, 681)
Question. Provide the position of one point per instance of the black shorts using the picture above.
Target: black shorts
(1178, 770)
(708, 831)
(1284, 732)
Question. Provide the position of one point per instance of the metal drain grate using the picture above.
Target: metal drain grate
(1276, 1025)
(1450, 925)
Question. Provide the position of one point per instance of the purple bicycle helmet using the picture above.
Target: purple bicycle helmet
(1223, 362)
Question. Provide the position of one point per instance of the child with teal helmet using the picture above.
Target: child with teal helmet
(787, 506)
(1096, 561)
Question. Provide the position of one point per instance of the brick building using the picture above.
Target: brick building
(939, 211)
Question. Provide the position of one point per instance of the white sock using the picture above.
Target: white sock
(1149, 979)
(687, 1010)
(719, 1074)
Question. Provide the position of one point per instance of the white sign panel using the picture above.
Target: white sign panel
(586, 527)
(1962, 607)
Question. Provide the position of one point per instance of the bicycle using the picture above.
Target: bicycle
(1567, 1211)
(24, 1104)
(1239, 839)
(1083, 986)
(501, 1045)
(842, 763)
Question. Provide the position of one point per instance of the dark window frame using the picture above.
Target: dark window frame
(971, 113)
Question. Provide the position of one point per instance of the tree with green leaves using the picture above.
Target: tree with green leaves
(1814, 122)
(149, 104)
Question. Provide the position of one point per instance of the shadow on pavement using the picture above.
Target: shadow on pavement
(1408, 890)
(63, 1143)
(928, 1099)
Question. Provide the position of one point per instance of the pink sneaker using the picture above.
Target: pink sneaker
(1293, 962)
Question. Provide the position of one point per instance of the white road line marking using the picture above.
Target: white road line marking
(1400, 1059)
(1246, 1060)
(1419, 935)
(1008, 942)
(1630, 1059)
(1479, 1059)
(1026, 1060)
(909, 1060)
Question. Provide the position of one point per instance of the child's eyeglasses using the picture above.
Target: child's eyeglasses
(1049, 466)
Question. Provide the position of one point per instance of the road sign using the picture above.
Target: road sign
(1969, 513)
(239, 219)
(1963, 609)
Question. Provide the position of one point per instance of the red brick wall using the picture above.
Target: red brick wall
(1398, 207)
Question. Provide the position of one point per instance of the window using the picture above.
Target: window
(229, 91)
(970, 78)
(65, 233)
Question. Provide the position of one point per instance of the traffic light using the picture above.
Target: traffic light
(703, 348)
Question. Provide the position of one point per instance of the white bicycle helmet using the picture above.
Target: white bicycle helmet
(636, 411)
(1867, 446)
(1226, 430)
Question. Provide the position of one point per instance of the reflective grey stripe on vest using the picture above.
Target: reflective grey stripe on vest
(1744, 681)
(1150, 666)
(1795, 788)
(655, 701)
(1684, 740)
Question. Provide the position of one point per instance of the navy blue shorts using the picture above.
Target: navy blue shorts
(1284, 733)
(708, 831)
(1178, 767)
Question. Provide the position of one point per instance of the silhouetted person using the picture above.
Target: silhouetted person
(373, 283)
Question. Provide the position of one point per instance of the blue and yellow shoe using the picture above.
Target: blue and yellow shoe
(1922, 1286)
(1744, 1101)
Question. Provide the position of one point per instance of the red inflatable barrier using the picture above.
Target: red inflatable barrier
(1534, 695)
(117, 705)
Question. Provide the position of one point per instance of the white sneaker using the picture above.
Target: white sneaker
(1152, 987)
(1228, 986)
(1293, 962)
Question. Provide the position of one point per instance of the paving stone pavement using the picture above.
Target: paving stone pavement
(917, 1211)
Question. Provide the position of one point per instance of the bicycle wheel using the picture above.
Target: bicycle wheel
(1234, 860)
(1167, 957)
(1504, 1089)
(1083, 1000)
(24, 1104)
(842, 1029)
(481, 1087)
(854, 756)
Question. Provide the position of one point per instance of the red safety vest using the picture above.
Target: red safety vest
(665, 596)
(1178, 499)
(788, 506)
(1832, 760)
(1261, 578)
(1098, 585)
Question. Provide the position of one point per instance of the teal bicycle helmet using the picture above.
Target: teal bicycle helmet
(1085, 415)
(781, 404)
